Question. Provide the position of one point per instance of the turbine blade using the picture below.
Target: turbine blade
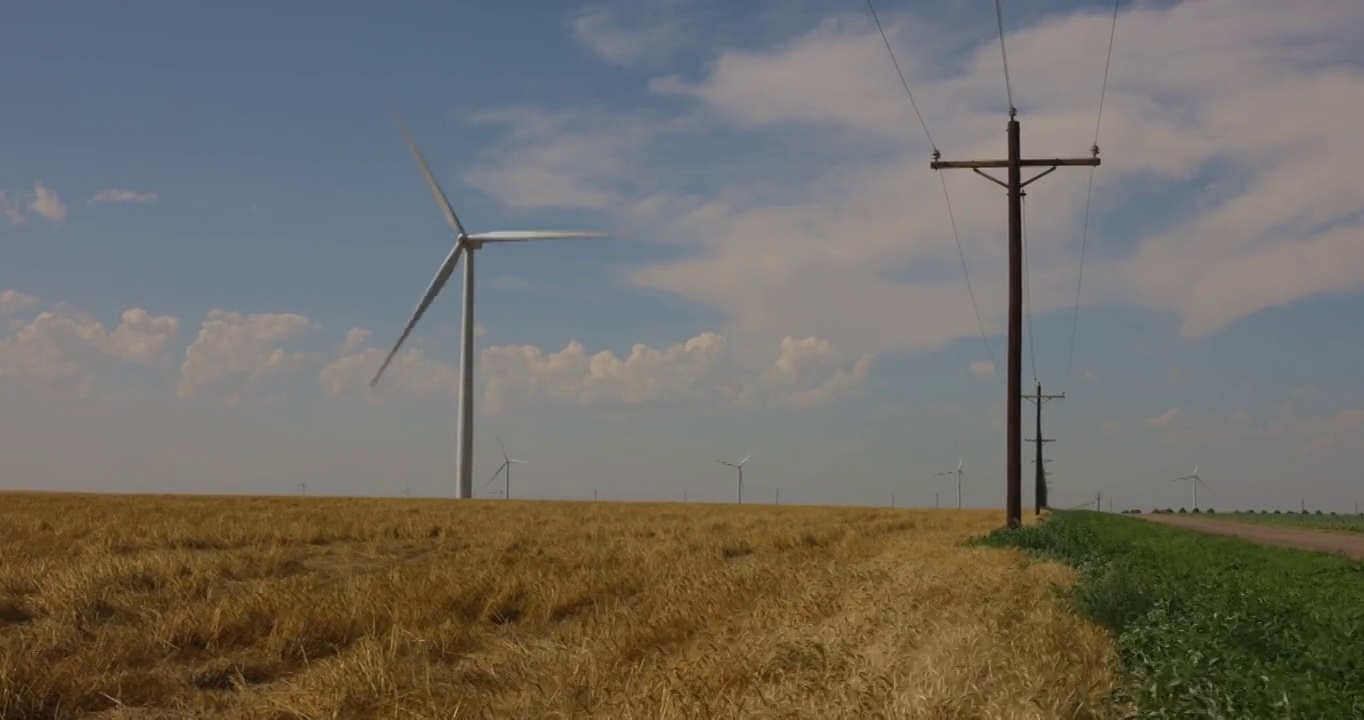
(500, 468)
(500, 236)
(442, 276)
(746, 457)
(514, 461)
(504, 449)
(449, 212)
(722, 462)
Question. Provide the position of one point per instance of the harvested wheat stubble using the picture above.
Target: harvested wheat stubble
(142, 607)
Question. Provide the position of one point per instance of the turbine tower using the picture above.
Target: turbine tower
(1194, 482)
(504, 470)
(465, 244)
(959, 475)
(740, 466)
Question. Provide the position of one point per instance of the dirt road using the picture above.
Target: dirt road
(1351, 545)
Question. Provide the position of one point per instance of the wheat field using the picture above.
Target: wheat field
(179, 607)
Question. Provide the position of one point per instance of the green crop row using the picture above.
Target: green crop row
(1209, 626)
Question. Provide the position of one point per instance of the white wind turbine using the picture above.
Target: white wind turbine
(465, 244)
(504, 470)
(1194, 482)
(959, 475)
(740, 466)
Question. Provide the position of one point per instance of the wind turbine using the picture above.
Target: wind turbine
(504, 470)
(1194, 482)
(740, 466)
(959, 475)
(465, 244)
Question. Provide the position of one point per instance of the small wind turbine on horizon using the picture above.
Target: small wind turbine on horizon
(959, 475)
(1194, 482)
(740, 467)
(504, 470)
(465, 244)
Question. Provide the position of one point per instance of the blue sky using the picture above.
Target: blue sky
(231, 178)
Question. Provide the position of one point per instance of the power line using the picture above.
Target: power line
(1089, 195)
(901, 73)
(947, 197)
(1004, 55)
(966, 274)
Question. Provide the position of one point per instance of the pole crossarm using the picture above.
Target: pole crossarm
(1033, 162)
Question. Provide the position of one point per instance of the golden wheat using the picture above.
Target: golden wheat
(174, 607)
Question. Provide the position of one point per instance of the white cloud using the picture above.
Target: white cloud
(236, 354)
(616, 34)
(982, 370)
(61, 348)
(10, 210)
(410, 373)
(116, 195)
(56, 349)
(704, 368)
(13, 301)
(46, 203)
(1164, 418)
(820, 216)
(142, 337)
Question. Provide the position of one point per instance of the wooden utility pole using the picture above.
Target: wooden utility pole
(1040, 492)
(1014, 164)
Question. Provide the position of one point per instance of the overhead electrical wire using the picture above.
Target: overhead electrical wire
(1089, 194)
(947, 197)
(1004, 55)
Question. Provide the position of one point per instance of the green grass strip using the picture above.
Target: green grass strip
(1209, 626)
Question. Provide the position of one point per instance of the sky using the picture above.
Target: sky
(211, 233)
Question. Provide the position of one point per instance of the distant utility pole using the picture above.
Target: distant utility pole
(1015, 184)
(1039, 400)
(892, 498)
(1098, 502)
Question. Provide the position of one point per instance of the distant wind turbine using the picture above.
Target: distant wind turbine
(740, 466)
(1194, 482)
(959, 475)
(302, 488)
(504, 470)
(465, 244)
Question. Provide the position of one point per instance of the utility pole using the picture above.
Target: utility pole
(1039, 400)
(1098, 502)
(1015, 184)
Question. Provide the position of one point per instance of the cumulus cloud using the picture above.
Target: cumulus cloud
(982, 370)
(10, 209)
(1164, 418)
(61, 348)
(117, 195)
(141, 337)
(46, 203)
(803, 371)
(237, 354)
(410, 373)
(13, 301)
(626, 33)
(819, 214)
